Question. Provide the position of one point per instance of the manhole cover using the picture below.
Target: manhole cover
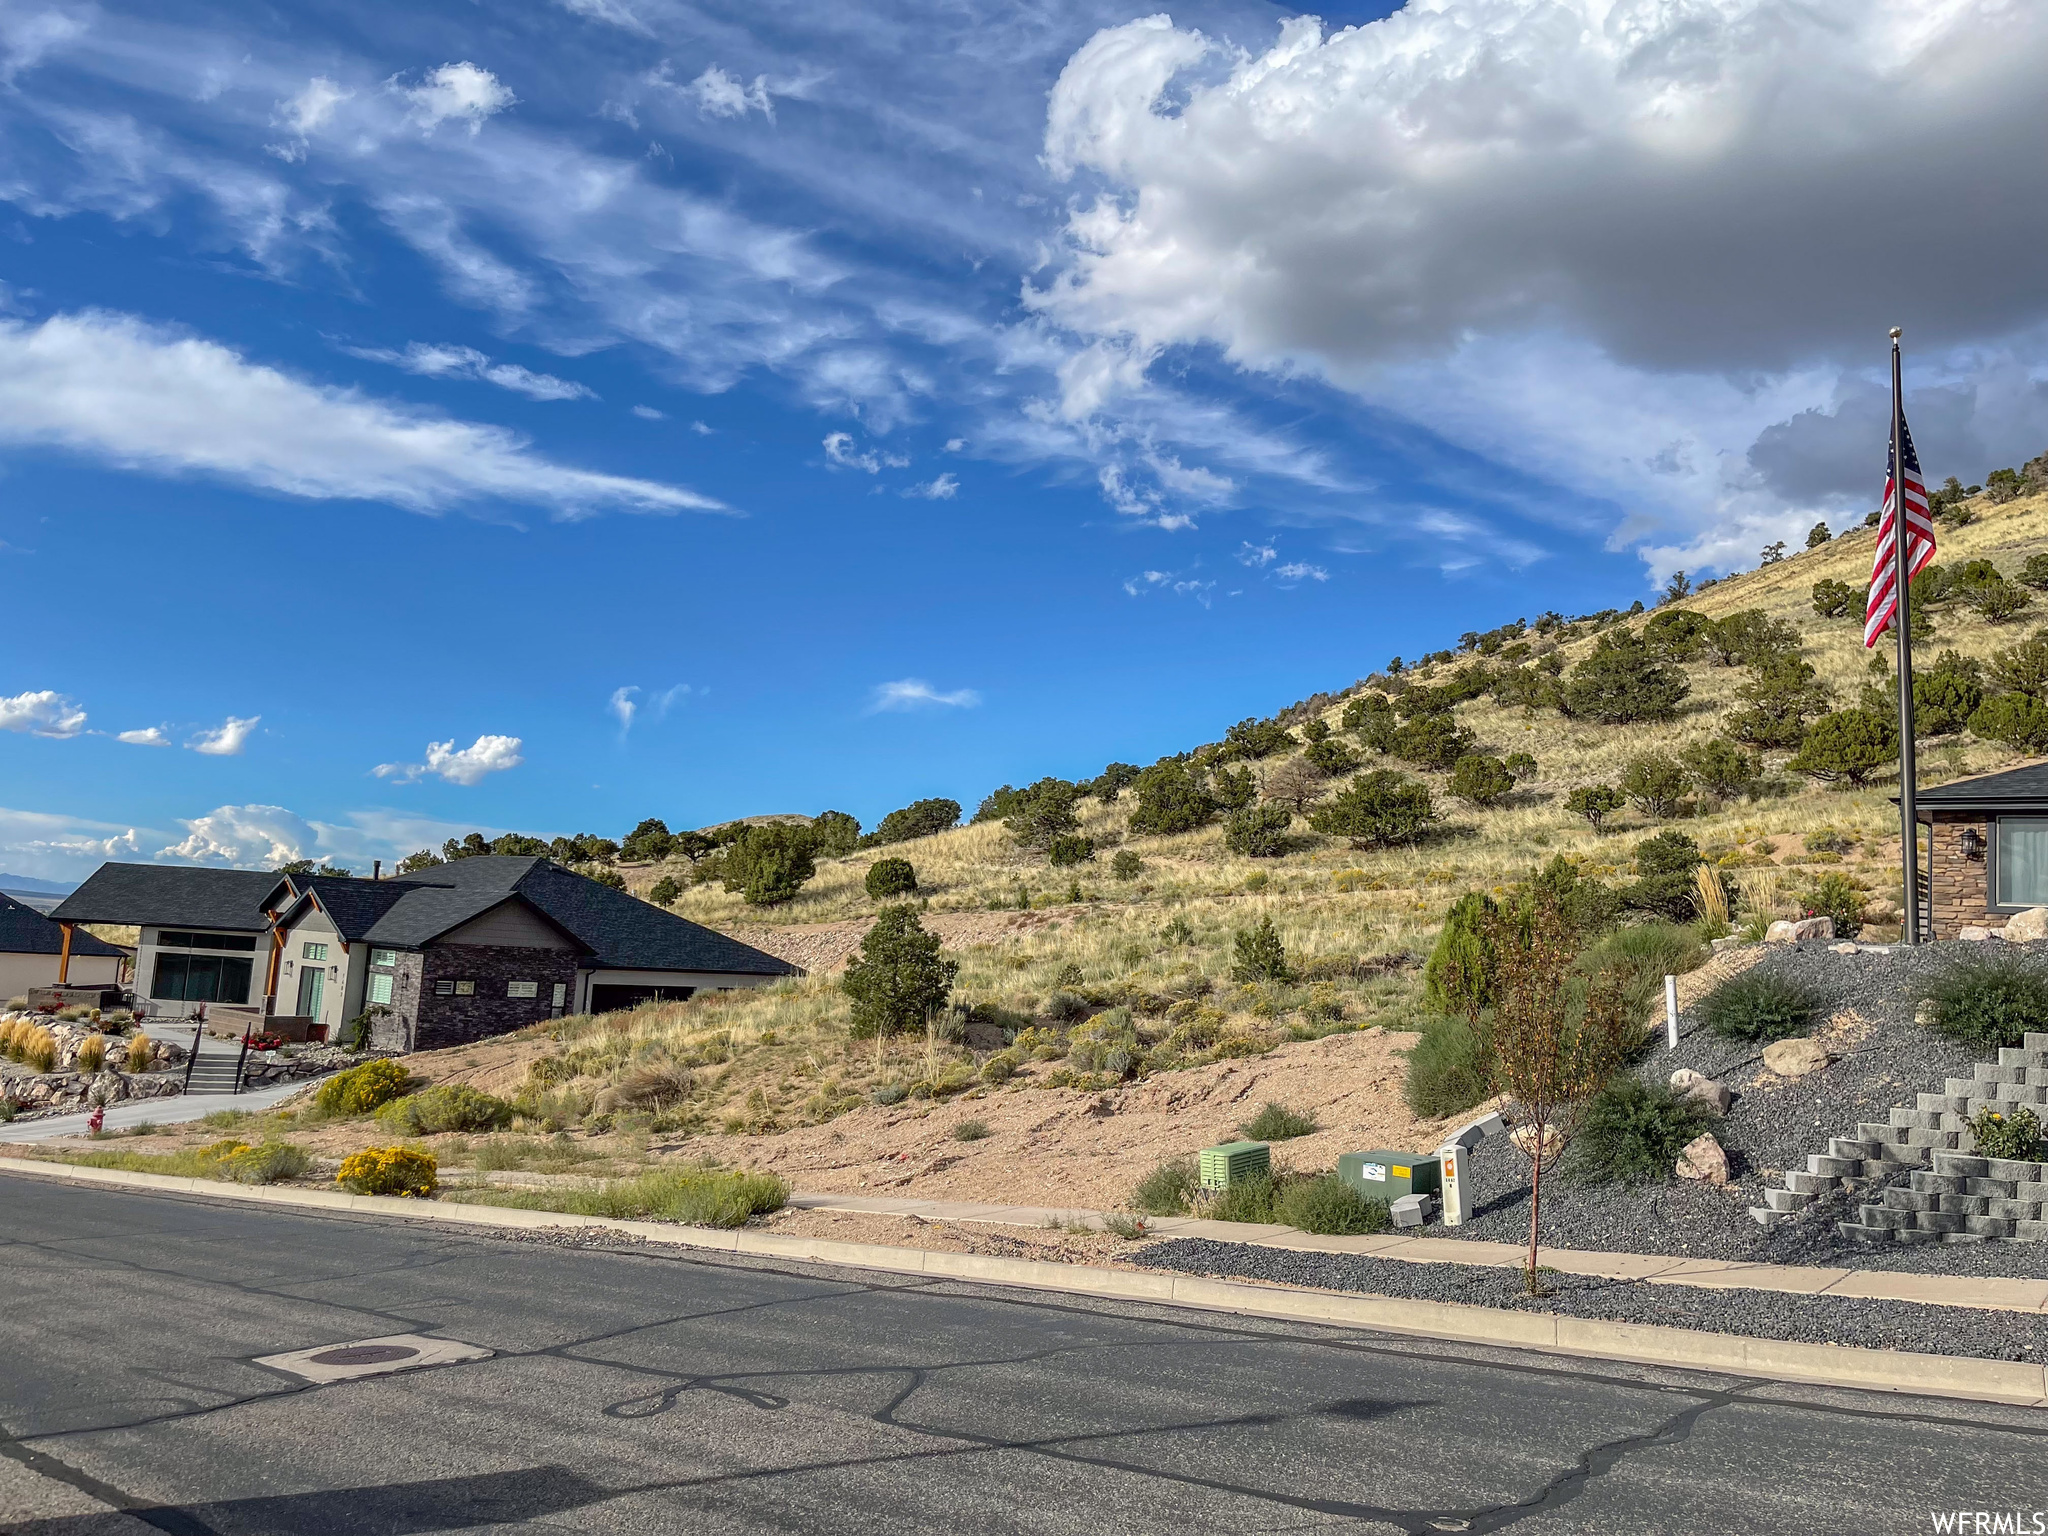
(364, 1354)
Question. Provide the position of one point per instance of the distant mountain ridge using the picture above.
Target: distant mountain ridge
(29, 883)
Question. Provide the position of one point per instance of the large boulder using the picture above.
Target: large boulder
(1789, 931)
(1688, 1084)
(1704, 1162)
(1795, 1057)
(2027, 927)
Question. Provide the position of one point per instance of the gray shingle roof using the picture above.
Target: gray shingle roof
(25, 931)
(2016, 788)
(171, 896)
(616, 931)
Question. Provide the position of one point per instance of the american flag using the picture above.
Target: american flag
(1884, 569)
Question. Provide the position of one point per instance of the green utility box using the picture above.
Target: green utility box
(1234, 1162)
(1390, 1175)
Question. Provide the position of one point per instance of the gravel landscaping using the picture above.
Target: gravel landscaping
(1917, 1327)
(1884, 1060)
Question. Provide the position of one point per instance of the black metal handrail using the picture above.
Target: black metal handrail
(240, 1059)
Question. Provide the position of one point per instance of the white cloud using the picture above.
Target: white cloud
(1654, 224)
(226, 740)
(1298, 571)
(1178, 583)
(60, 847)
(1256, 555)
(150, 398)
(245, 837)
(434, 362)
(915, 693)
(955, 444)
(148, 736)
(458, 91)
(944, 488)
(609, 12)
(649, 413)
(306, 114)
(623, 708)
(700, 429)
(718, 94)
(839, 449)
(42, 713)
(487, 755)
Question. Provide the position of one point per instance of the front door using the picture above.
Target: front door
(312, 979)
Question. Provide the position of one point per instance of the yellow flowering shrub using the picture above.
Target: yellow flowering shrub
(362, 1089)
(389, 1171)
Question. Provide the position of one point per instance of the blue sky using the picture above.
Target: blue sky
(542, 416)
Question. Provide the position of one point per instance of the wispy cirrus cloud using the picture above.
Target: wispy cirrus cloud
(447, 362)
(944, 488)
(910, 693)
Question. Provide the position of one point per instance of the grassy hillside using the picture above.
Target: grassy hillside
(1162, 940)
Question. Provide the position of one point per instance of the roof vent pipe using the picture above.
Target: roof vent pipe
(376, 869)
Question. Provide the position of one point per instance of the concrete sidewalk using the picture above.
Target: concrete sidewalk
(2004, 1295)
(175, 1110)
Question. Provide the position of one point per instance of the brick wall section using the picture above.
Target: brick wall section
(1961, 895)
(445, 1021)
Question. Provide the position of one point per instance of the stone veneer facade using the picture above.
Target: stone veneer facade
(1960, 883)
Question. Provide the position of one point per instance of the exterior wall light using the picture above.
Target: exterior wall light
(1972, 843)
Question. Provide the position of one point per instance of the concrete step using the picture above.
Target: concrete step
(1764, 1216)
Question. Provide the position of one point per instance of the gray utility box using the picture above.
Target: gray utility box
(1389, 1175)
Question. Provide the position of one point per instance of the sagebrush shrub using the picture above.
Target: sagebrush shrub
(1276, 1122)
(1759, 1006)
(1168, 1190)
(971, 1130)
(1324, 1204)
(1633, 1133)
(445, 1107)
(1989, 1001)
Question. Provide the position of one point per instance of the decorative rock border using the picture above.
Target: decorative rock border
(1951, 1195)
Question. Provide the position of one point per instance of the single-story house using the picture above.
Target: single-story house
(447, 954)
(32, 951)
(1985, 850)
(202, 930)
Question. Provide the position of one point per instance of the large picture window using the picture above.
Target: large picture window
(2022, 861)
(201, 979)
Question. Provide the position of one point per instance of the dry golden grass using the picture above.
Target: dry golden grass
(782, 1056)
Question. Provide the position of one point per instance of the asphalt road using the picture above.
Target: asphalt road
(634, 1391)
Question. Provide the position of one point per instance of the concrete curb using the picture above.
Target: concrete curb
(1998, 1381)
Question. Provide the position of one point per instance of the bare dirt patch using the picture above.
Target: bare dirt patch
(1069, 1148)
(1052, 1244)
(822, 947)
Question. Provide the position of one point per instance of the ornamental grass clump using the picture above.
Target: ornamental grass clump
(140, 1051)
(1989, 1001)
(92, 1054)
(361, 1090)
(1169, 1189)
(696, 1196)
(1759, 1006)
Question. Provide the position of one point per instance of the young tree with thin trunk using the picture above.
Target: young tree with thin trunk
(1550, 1051)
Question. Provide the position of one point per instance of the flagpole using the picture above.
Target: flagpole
(1902, 623)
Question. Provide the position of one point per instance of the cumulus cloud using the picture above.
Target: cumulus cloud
(434, 362)
(1674, 223)
(944, 488)
(244, 837)
(915, 693)
(225, 740)
(462, 92)
(148, 736)
(42, 713)
(649, 413)
(150, 398)
(839, 450)
(719, 94)
(41, 843)
(486, 756)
